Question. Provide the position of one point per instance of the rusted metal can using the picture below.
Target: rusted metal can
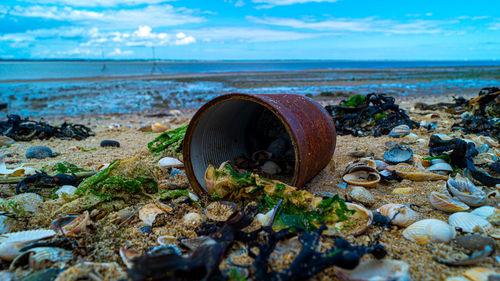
(219, 132)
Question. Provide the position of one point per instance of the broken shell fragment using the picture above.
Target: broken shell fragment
(192, 219)
(445, 203)
(398, 214)
(380, 270)
(41, 257)
(362, 215)
(429, 231)
(466, 191)
(268, 218)
(361, 195)
(362, 176)
(468, 222)
(480, 246)
(11, 243)
(77, 225)
(407, 171)
(360, 163)
(149, 212)
(398, 154)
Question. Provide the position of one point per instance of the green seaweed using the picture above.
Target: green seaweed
(169, 143)
(354, 101)
(173, 194)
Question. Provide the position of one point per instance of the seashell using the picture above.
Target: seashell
(5, 224)
(11, 243)
(468, 222)
(494, 219)
(400, 215)
(441, 137)
(87, 271)
(268, 218)
(240, 258)
(360, 163)
(481, 140)
(362, 176)
(159, 128)
(361, 195)
(192, 219)
(398, 154)
(270, 168)
(402, 190)
(480, 246)
(69, 190)
(196, 242)
(41, 257)
(428, 231)
(411, 137)
(466, 191)
(380, 165)
(437, 161)
(149, 212)
(480, 274)
(378, 270)
(209, 178)
(399, 131)
(441, 168)
(169, 162)
(483, 148)
(406, 171)
(128, 256)
(24, 202)
(19, 171)
(77, 225)
(167, 240)
(444, 203)
(4, 140)
(484, 211)
(193, 197)
(362, 214)
(220, 210)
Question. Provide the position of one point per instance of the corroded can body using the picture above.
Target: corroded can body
(217, 133)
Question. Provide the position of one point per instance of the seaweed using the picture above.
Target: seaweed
(169, 143)
(173, 194)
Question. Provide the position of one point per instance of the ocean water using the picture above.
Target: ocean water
(25, 95)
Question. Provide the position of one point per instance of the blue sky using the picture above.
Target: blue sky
(251, 29)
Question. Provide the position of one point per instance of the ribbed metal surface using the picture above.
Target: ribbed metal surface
(217, 133)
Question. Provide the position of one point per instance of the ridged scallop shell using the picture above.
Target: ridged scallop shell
(484, 211)
(429, 230)
(41, 257)
(11, 243)
(466, 191)
(399, 214)
(382, 270)
(77, 225)
(406, 171)
(468, 222)
(362, 176)
(361, 195)
(444, 203)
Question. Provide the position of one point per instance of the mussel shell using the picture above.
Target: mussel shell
(398, 154)
(429, 230)
(444, 203)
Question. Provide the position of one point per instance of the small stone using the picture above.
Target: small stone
(192, 219)
(66, 189)
(147, 229)
(6, 141)
(39, 152)
(402, 190)
(399, 131)
(169, 162)
(159, 128)
(111, 143)
(146, 128)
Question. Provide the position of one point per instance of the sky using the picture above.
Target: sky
(250, 29)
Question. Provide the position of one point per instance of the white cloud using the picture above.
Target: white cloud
(371, 24)
(247, 34)
(154, 15)
(272, 3)
(75, 51)
(119, 52)
(98, 3)
(495, 25)
(183, 39)
(237, 3)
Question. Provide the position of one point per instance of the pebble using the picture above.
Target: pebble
(6, 141)
(66, 189)
(402, 190)
(111, 143)
(147, 229)
(39, 152)
(158, 128)
(169, 162)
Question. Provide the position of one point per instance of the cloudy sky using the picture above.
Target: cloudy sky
(251, 29)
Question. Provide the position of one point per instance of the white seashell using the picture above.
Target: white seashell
(24, 202)
(381, 165)
(466, 191)
(167, 240)
(19, 171)
(192, 219)
(468, 222)
(148, 213)
(169, 162)
(376, 270)
(445, 203)
(421, 140)
(429, 230)
(270, 168)
(41, 257)
(69, 190)
(11, 243)
(399, 214)
(437, 161)
(193, 197)
(440, 168)
(484, 211)
(362, 195)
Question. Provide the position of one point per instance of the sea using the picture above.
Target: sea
(67, 88)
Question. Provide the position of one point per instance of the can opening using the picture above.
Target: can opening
(237, 129)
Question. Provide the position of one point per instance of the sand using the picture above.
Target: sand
(105, 235)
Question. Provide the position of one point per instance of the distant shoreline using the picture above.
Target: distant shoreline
(189, 75)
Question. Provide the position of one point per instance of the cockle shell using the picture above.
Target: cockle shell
(407, 171)
(11, 243)
(362, 214)
(400, 215)
(429, 230)
(399, 131)
(361, 195)
(484, 211)
(77, 225)
(468, 222)
(362, 176)
(41, 257)
(376, 270)
(444, 203)
(466, 191)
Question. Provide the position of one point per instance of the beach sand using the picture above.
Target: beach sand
(104, 238)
